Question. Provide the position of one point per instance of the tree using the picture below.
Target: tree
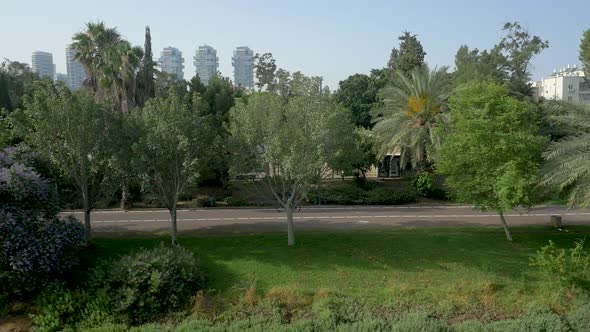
(519, 47)
(409, 55)
(173, 145)
(355, 94)
(566, 166)
(146, 84)
(473, 65)
(73, 132)
(16, 79)
(491, 152)
(265, 66)
(411, 111)
(288, 145)
(585, 52)
(282, 83)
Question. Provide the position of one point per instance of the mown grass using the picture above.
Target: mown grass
(455, 272)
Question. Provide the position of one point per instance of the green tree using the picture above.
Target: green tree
(173, 145)
(492, 150)
(409, 55)
(411, 111)
(265, 67)
(566, 166)
(585, 52)
(16, 79)
(146, 87)
(75, 133)
(288, 145)
(355, 94)
(473, 65)
(519, 48)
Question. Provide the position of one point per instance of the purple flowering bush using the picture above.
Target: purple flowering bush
(35, 245)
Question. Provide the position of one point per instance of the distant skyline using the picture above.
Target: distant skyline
(333, 39)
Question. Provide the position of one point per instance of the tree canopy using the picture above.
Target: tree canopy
(409, 55)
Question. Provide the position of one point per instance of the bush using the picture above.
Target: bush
(59, 309)
(34, 251)
(148, 283)
(236, 201)
(353, 195)
(579, 319)
(425, 185)
(200, 201)
(561, 266)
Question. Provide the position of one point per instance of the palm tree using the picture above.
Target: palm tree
(412, 108)
(568, 167)
(91, 46)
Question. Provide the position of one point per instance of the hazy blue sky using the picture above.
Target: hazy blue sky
(333, 39)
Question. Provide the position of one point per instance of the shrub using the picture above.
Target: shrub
(34, 251)
(425, 185)
(236, 201)
(148, 283)
(382, 196)
(352, 195)
(579, 319)
(563, 266)
(59, 309)
(339, 310)
(200, 201)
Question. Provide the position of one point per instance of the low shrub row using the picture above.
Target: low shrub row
(353, 195)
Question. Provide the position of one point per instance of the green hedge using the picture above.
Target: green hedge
(353, 195)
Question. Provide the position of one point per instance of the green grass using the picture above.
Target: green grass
(472, 270)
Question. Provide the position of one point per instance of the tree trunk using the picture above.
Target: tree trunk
(505, 225)
(290, 226)
(173, 224)
(87, 234)
(125, 197)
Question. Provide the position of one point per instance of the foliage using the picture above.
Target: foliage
(173, 145)
(59, 309)
(423, 184)
(491, 151)
(561, 266)
(75, 134)
(585, 52)
(22, 190)
(353, 195)
(501, 133)
(236, 201)
(288, 144)
(566, 168)
(35, 250)
(16, 79)
(475, 65)
(355, 94)
(265, 67)
(409, 56)
(412, 110)
(148, 283)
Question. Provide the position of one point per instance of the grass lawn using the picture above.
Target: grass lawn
(471, 271)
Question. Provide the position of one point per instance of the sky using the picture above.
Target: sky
(332, 39)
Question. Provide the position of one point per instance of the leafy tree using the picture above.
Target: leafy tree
(283, 83)
(288, 145)
(473, 65)
(355, 94)
(74, 133)
(173, 145)
(411, 111)
(567, 168)
(519, 47)
(409, 55)
(16, 79)
(196, 86)
(585, 52)
(491, 151)
(265, 66)
(166, 81)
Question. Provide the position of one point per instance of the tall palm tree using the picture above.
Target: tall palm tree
(91, 46)
(412, 108)
(568, 159)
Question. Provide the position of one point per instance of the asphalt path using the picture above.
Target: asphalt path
(252, 220)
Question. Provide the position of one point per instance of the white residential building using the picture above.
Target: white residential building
(76, 73)
(42, 64)
(567, 84)
(171, 62)
(206, 63)
(243, 63)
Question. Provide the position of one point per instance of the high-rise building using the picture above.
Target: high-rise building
(243, 62)
(42, 64)
(76, 73)
(567, 84)
(171, 62)
(59, 77)
(206, 63)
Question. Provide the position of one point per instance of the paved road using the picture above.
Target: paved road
(344, 217)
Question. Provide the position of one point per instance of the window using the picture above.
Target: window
(570, 88)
